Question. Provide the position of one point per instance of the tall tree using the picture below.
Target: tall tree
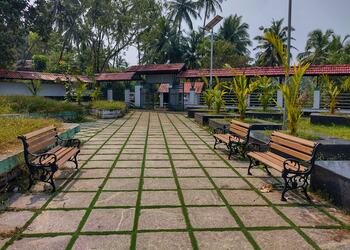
(317, 46)
(236, 32)
(267, 54)
(192, 54)
(14, 26)
(210, 7)
(183, 10)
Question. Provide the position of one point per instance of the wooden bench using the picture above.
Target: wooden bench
(292, 156)
(236, 140)
(45, 152)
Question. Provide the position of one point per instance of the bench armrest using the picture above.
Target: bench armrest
(69, 142)
(44, 156)
(220, 130)
(257, 147)
(294, 162)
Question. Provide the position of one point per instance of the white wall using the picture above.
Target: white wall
(12, 88)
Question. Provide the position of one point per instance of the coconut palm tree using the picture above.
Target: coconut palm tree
(183, 10)
(192, 52)
(236, 32)
(317, 46)
(268, 55)
(210, 7)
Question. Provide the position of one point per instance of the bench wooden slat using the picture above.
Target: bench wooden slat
(67, 156)
(277, 159)
(42, 145)
(293, 145)
(38, 132)
(41, 137)
(291, 152)
(241, 124)
(234, 128)
(294, 139)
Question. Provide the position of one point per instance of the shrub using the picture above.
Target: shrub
(40, 62)
(107, 105)
(34, 104)
(268, 90)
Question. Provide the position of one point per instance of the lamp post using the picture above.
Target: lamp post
(210, 27)
(288, 57)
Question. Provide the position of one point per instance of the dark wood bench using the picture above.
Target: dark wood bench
(45, 152)
(236, 140)
(292, 156)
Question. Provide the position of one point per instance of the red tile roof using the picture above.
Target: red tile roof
(164, 88)
(123, 76)
(28, 75)
(198, 86)
(173, 67)
(343, 69)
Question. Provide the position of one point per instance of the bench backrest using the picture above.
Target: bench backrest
(240, 129)
(40, 139)
(293, 146)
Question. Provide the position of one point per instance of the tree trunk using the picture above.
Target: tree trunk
(205, 15)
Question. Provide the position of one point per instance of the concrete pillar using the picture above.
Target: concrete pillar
(138, 96)
(317, 100)
(192, 97)
(127, 95)
(110, 94)
(279, 98)
(161, 100)
(248, 101)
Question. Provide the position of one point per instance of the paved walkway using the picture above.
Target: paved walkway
(153, 181)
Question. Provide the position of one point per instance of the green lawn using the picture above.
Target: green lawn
(12, 127)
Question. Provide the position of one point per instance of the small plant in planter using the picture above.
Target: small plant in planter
(241, 88)
(108, 109)
(268, 90)
(219, 101)
(214, 96)
(334, 91)
(293, 95)
(80, 92)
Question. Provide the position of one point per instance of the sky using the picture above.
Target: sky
(307, 15)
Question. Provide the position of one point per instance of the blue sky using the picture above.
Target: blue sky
(307, 15)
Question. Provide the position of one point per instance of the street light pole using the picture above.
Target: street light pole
(285, 118)
(211, 57)
(210, 27)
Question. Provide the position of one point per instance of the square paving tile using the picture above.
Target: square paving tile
(157, 164)
(158, 172)
(159, 183)
(122, 184)
(91, 173)
(117, 199)
(98, 164)
(72, 200)
(231, 183)
(157, 157)
(221, 172)
(104, 158)
(116, 219)
(182, 157)
(195, 183)
(243, 197)
(260, 217)
(83, 185)
(105, 242)
(165, 240)
(307, 216)
(222, 240)
(211, 217)
(9, 221)
(330, 238)
(126, 172)
(128, 164)
(45, 243)
(201, 197)
(186, 164)
(27, 201)
(152, 198)
(182, 172)
(161, 218)
(56, 222)
(109, 151)
(213, 164)
(273, 240)
(128, 157)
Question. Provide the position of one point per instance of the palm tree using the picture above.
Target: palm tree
(210, 7)
(337, 50)
(180, 10)
(192, 54)
(268, 55)
(317, 47)
(236, 32)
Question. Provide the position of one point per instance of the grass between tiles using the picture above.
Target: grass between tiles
(94, 200)
(38, 212)
(179, 191)
(139, 194)
(230, 209)
(319, 207)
